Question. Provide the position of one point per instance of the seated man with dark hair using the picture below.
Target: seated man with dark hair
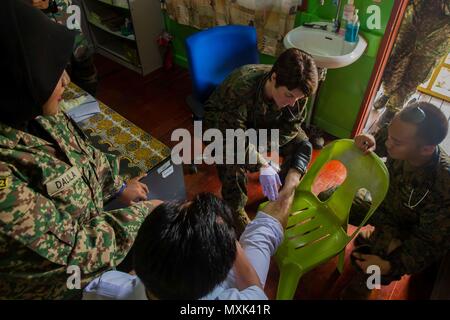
(412, 225)
(189, 250)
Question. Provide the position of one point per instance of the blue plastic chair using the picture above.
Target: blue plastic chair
(212, 54)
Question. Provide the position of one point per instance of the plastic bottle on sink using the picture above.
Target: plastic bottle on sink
(352, 28)
(356, 25)
(349, 11)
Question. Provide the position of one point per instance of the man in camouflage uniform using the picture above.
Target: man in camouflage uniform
(53, 183)
(264, 97)
(423, 39)
(82, 68)
(412, 225)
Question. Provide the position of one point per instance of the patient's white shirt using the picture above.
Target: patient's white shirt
(259, 240)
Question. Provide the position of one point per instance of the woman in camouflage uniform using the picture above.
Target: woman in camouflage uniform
(264, 97)
(53, 183)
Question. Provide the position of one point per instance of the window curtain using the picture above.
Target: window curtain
(271, 18)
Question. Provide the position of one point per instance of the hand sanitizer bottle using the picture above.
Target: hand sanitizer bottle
(348, 31)
(355, 26)
(352, 28)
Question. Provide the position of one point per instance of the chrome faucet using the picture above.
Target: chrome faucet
(337, 19)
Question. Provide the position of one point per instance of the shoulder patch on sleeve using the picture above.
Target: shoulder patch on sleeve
(3, 183)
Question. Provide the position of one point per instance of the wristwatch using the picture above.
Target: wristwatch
(122, 188)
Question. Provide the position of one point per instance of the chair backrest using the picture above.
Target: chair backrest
(213, 53)
(363, 171)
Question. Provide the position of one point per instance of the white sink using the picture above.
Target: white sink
(328, 49)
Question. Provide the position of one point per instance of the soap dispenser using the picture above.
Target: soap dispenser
(352, 28)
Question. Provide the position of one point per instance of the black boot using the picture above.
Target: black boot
(357, 288)
(385, 118)
(316, 137)
(241, 222)
(326, 194)
(84, 73)
(380, 103)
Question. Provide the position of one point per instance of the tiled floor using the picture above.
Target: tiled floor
(156, 103)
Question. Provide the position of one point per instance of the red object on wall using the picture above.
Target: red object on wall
(165, 42)
(303, 6)
(168, 58)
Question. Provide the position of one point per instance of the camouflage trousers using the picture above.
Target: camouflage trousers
(381, 242)
(234, 183)
(18, 287)
(420, 45)
(369, 246)
(385, 238)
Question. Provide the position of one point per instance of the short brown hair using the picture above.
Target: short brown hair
(432, 124)
(296, 69)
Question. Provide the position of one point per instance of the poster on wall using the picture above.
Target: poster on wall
(439, 83)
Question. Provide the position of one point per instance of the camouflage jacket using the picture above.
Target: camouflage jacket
(239, 103)
(64, 16)
(416, 210)
(51, 211)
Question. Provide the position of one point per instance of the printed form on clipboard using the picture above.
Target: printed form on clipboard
(79, 106)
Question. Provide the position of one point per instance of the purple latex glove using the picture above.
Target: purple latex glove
(270, 182)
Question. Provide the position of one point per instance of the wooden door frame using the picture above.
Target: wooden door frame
(390, 35)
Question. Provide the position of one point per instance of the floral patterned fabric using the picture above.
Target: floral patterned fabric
(271, 18)
(110, 132)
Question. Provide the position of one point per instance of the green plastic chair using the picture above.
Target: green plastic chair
(317, 231)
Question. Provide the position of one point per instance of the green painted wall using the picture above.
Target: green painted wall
(181, 32)
(343, 91)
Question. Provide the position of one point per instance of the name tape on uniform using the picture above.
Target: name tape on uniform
(63, 182)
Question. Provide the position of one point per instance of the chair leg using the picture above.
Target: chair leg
(288, 283)
(341, 260)
(193, 169)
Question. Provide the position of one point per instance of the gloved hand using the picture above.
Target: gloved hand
(270, 182)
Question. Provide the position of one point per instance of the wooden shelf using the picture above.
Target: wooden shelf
(117, 57)
(115, 5)
(140, 51)
(105, 28)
